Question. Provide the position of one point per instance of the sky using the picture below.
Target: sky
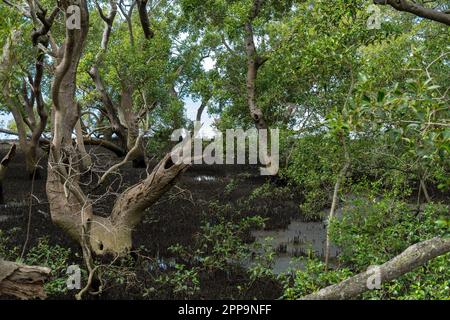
(4, 120)
(191, 108)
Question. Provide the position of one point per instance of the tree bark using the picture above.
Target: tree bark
(413, 257)
(108, 20)
(425, 191)
(3, 168)
(120, 152)
(202, 107)
(86, 160)
(128, 14)
(340, 177)
(122, 118)
(8, 59)
(130, 120)
(22, 281)
(143, 17)
(70, 208)
(254, 62)
(111, 110)
(417, 9)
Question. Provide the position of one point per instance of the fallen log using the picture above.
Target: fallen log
(22, 281)
(413, 257)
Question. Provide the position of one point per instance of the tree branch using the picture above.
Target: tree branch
(417, 9)
(143, 17)
(413, 257)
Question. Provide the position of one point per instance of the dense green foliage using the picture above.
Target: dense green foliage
(372, 101)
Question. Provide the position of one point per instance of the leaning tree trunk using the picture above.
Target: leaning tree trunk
(413, 257)
(22, 281)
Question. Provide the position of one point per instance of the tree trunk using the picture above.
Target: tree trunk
(413, 257)
(21, 281)
(70, 208)
(3, 167)
(120, 152)
(417, 9)
(143, 17)
(86, 160)
(26, 147)
(111, 110)
(340, 177)
(24, 113)
(130, 120)
(253, 64)
(425, 191)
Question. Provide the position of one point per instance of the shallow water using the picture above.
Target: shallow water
(300, 239)
(205, 178)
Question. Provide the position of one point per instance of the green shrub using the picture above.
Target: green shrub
(183, 283)
(54, 257)
(373, 231)
(7, 251)
(312, 167)
(311, 279)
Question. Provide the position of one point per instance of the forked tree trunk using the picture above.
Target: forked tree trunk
(110, 109)
(70, 208)
(27, 147)
(143, 17)
(23, 111)
(122, 117)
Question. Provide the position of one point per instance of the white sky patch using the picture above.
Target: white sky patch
(4, 121)
(183, 36)
(207, 130)
(209, 63)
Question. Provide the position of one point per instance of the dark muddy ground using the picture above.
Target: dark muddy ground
(175, 219)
